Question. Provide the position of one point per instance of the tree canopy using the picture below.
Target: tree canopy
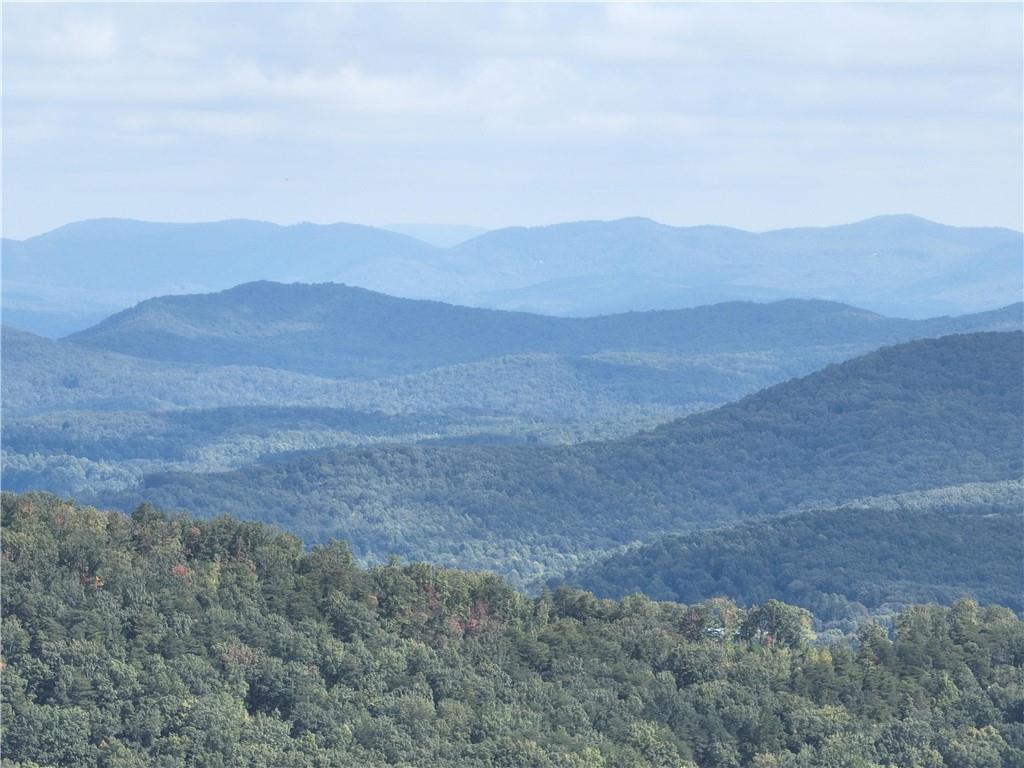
(174, 641)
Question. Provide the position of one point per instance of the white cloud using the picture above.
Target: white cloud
(74, 37)
(415, 111)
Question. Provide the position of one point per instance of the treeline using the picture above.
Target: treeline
(842, 563)
(173, 641)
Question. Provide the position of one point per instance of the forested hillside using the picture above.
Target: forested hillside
(156, 641)
(83, 420)
(842, 562)
(45, 376)
(342, 332)
(911, 417)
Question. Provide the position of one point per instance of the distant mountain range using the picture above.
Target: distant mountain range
(911, 417)
(68, 279)
(77, 274)
(775, 443)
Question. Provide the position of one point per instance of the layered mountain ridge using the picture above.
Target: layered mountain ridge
(64, 280)
(915, 416)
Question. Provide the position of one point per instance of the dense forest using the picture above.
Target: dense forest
(792, 635)
(82, 420)
(174, 641)
(842, 563)
(911, 417)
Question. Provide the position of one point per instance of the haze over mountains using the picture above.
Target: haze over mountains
(67, 279)
(394, 491)
(809, 450)
(670, 452)
(522, 443)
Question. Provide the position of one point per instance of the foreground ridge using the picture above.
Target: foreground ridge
(156, 640)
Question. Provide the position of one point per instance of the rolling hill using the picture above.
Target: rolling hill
(343, 332)
(44, 376)
(842, 562)
(81, 419)
(910, 417)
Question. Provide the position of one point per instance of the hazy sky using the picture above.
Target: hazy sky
(758, 116)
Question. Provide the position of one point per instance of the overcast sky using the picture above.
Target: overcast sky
(757, 116)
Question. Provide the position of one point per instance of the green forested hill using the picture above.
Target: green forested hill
(73, 413)
(344, 332)
(45, 376)
(178, 642)
(910, 417)
(81, 421)
(931, 546)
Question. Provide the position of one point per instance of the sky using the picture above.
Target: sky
(756, 116)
